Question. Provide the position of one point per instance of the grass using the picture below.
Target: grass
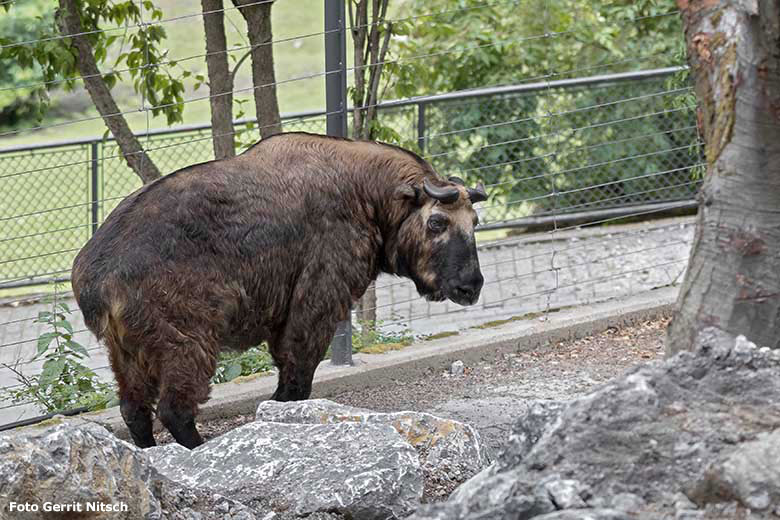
(522, 317)
(441, 335)
(296, 58)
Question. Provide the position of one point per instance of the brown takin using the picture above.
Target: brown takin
(272, 245)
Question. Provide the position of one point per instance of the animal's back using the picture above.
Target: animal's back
(212, 224)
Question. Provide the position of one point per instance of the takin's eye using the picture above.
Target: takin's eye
(437, 223)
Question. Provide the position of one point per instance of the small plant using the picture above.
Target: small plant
(369, 337)
(65, 382)
(234, 364)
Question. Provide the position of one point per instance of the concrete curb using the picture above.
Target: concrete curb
(242, 396)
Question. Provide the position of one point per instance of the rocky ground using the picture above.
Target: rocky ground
(693, 437)
(490, 395)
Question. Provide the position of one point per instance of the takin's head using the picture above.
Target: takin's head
(436, 246)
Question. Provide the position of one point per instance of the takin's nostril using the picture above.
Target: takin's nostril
(467, 291)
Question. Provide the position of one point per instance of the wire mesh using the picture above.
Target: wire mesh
(570, 145)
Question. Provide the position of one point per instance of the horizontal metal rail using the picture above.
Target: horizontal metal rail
(428, 99)
(583, 217)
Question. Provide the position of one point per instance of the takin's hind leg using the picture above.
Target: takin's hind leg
(137, 393)
(184, 384)
(136, 409)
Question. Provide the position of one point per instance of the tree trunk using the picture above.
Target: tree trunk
(220, 79)
(733, 280)
(69, 21)
(258, 22)
(370, 44)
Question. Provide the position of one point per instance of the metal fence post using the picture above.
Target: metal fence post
(421, 126)
(94, 196)
(336, 107)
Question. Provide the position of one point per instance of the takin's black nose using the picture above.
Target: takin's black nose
(466, 291)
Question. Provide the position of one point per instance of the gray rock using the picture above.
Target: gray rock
(628, 502)
(565, 493)
(457, 368)
(448, 449)
(643, 438)
(67, 461)
(538, 419)
(682, 502)
(750, 475)
(362, 470)
(585, 514)
(499, 496)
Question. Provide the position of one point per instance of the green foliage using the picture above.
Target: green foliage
(137, 50)
(234, 364)
(64, 382)
(525, 147)
(475, 45)
(18, 102)
(369, 337)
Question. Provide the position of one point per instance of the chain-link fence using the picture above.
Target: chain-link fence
(621, 141)
(564, 156)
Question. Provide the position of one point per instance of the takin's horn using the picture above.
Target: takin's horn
(456, 180)
(445, 195)
(477, 194)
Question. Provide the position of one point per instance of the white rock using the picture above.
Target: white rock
(444, 445)
(360, 470)
(71, 460)
(457, 368)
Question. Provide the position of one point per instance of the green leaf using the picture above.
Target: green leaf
(77, 347)
(65, 324)
(51, 371)
(233, 371)
(44, 340)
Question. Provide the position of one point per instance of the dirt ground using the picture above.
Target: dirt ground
(490, 395)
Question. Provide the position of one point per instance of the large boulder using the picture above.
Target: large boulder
(695, 436)
(450, 451)
(72, 463)
(358, 470)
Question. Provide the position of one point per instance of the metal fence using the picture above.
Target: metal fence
(61, 192)
(554, 153)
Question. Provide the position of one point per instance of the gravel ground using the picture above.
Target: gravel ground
(490, 395)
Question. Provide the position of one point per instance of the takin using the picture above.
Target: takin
(272, 245)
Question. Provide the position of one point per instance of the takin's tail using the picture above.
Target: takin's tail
(93, 306)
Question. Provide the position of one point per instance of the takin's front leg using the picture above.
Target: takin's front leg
(309, 329)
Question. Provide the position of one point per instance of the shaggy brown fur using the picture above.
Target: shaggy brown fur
(272, 245)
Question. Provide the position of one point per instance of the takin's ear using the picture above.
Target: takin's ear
(407, 192)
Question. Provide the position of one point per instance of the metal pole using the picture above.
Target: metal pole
(336, 67)
(421, 126)
(336, 107)
(95, 206)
